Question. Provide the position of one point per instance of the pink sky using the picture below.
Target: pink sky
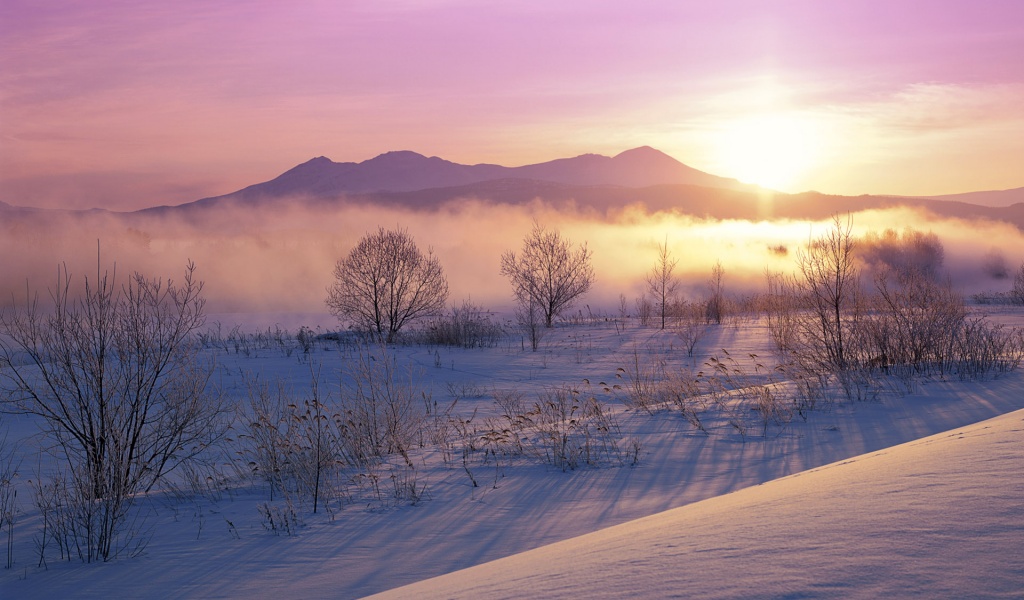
(127, 104)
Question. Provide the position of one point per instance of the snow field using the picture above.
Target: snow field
(217, 546)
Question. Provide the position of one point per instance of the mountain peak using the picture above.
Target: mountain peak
(395, 156)
(645, 151)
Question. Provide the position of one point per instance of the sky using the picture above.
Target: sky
(126, 104)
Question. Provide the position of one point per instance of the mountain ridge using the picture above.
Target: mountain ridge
(594, 183)
(408, 171)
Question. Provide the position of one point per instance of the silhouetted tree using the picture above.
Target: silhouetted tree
(661, 282)
(385, 282)
(1017, 292)
(715, 305)
(549, 273)
(827, 280)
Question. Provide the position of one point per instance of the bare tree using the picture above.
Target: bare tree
(116, 376)
(1017, 292)
(715, 305)
(828, 281)
(548, 272)
(528, 317)
(909, 251)
(661, 282)
(691, 324)
(386, 282)
(644, 309)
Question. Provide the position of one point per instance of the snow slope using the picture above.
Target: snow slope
(940, 517)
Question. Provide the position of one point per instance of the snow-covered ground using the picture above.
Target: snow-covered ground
(940, 517)
(218, 546)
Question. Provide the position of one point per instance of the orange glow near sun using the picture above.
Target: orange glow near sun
(773, 150)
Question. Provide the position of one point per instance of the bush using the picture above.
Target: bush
(382, 411)
(466, 326)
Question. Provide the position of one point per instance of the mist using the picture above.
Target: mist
(267, 265)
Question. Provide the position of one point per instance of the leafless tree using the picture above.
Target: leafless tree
(715, 304)
(385, 282)
(1017, 292)
(661, 282)
(529, 319)
(9, 466)
(827, 280)
(549, 272)
(691, 324)
(644, 309)
(902, 252)
(115, 375)
(994, 264)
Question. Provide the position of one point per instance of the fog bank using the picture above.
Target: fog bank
(279, 260)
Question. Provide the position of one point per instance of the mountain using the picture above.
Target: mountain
(405, 171)
(590, 182)
(994, 198)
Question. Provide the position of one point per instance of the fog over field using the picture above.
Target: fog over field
(279, 258)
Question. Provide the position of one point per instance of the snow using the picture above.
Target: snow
(939, 517)
(932, 516)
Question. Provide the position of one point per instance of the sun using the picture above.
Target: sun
(772, 150)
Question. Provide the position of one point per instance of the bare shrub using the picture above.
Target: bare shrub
(280, 519)
(807, 382)
(465, 326)
(268, 433)
(691, 324)
(913, 325)
(909, 251)
(562, 428)
(683, 390)
(994, 264)
(530, 320)
(292, 441)
(781, 306)
(8, 496)
(381, 409)
(1017, 292)
(714, 305)
(644, 310)
(983, 348)
(116, 376)
(641, 378)
(571, 430)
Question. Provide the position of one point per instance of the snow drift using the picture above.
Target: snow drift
(937, 517)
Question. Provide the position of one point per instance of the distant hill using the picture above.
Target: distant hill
(996, 198)
(605, 200)
(408, 172)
